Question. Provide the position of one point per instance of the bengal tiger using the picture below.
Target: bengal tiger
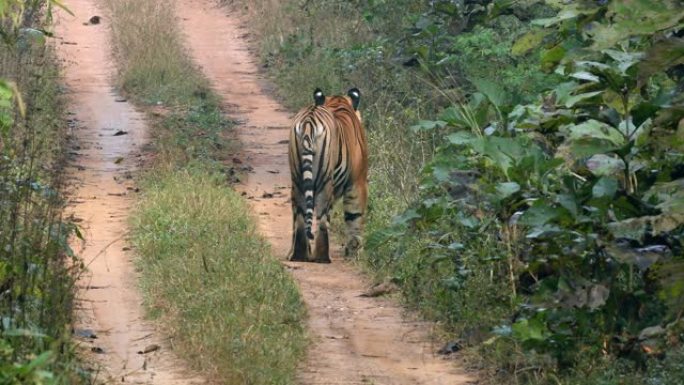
(328, 160)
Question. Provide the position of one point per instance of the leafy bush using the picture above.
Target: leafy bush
(581, 192)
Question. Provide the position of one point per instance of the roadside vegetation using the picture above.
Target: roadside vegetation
(207, 275)
(37, 267)
(527, 169)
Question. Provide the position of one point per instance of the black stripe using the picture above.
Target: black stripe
(322, 156)
(348, 217)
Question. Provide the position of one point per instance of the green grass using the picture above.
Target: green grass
(227, 302)
(207, 276)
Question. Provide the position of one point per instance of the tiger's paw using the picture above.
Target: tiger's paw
(324, 259)
(297, 258)
(352, 248)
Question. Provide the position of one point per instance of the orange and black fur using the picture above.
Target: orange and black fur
(328, 161)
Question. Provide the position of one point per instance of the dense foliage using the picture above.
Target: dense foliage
(36, 277)
(545, 227)
(572, 203)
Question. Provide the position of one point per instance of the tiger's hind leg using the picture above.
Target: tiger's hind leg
(301, 249)
(324, 204)
(354, 211)
(322, 248)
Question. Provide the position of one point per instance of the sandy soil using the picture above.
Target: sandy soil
(108, 133)
(356, 340)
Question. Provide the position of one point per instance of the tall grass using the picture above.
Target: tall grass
(207, 275)
(37, 268)
(153, 63)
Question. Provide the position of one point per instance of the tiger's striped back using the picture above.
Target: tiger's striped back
(328, 160)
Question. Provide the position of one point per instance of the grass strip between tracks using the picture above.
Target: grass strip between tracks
(229, 306)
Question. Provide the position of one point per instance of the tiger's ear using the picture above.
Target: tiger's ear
(319, 97)
(355, 96)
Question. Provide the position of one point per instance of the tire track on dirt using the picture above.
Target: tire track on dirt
(356, 340)
(109, 133)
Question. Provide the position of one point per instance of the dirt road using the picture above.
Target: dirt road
(356, 340)
(108, 134)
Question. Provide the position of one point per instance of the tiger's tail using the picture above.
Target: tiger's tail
(307, 172)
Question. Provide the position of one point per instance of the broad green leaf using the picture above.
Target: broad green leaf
(440, 173)
(452, 116)
(605, 165)
(614, 100)
(606, 187)
(593, 129)
(497, 95)
(625, 60)
(568, 202)
(532, 329)
(504, 152)
(528, 42)
(564, 91)
(584, 75)
(506, 189)
(574, 99)
(460, 137)
(582, 148)
(539, 214)
(552, 56)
